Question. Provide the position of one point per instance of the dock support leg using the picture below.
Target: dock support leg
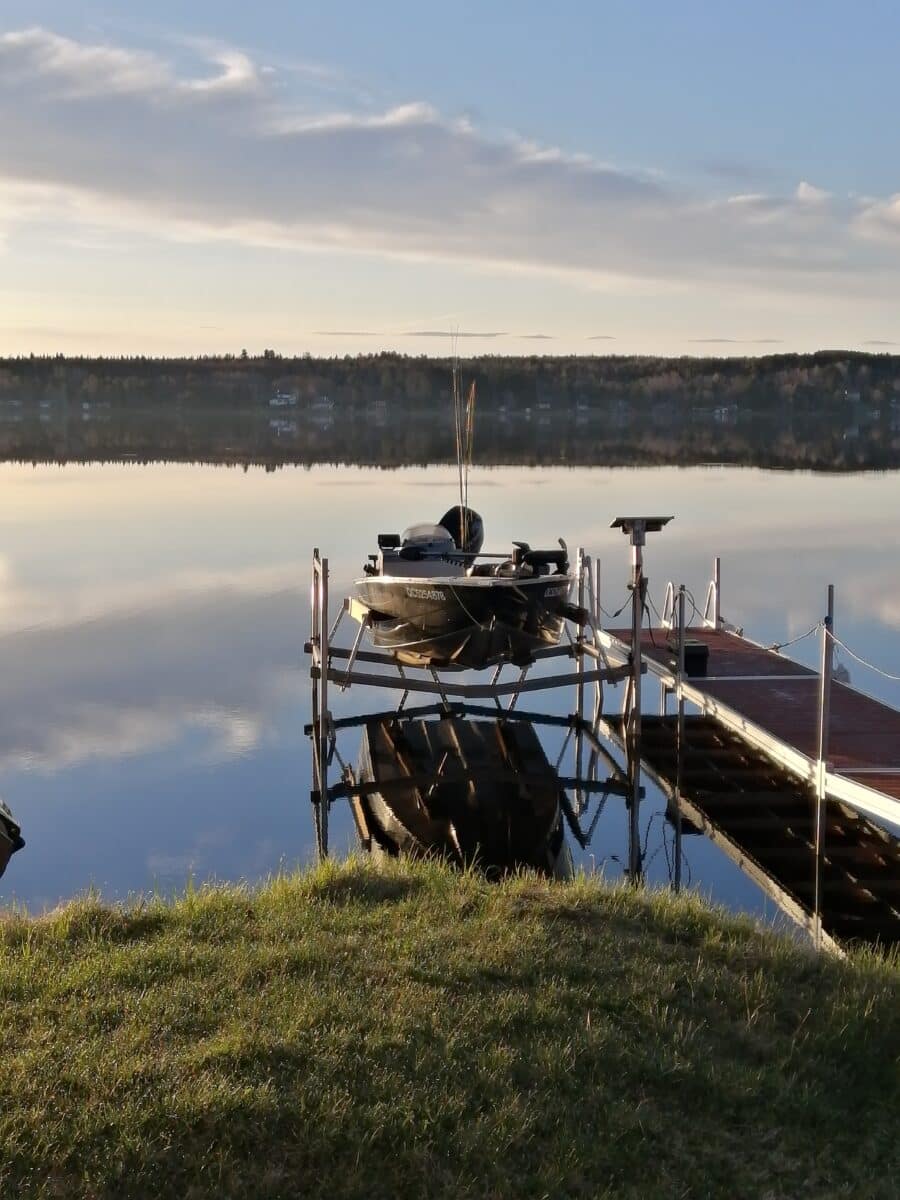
(717, 580)
(319, 645)
(679, 736)
(827, 663)
(583, 564)
(638, 585)
(594, 591)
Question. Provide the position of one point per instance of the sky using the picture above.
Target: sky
(591, 178)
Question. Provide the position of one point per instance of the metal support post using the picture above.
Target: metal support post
(636, 529)
(582, 565)
(320, 647)
(717, 580)
(593, 582)
(712, 609)
(679, 760)
(827, 664)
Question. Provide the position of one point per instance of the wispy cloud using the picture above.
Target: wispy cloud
(732, 341)
(444, 333)
(214, 149)
(602, 337)
(879, 342)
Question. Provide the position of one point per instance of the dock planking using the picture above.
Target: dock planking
(773, 702)
(764, 821)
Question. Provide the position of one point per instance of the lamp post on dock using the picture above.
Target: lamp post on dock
(636, 529)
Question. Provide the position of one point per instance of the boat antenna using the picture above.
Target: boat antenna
(464, 422)
(470, 443)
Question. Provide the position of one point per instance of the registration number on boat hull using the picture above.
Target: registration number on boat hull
(425, 593)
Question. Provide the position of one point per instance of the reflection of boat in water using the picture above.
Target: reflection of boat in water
(10, 837)
(471, 791)
(435, 600)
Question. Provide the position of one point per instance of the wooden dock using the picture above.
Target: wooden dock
(764, 820)
(772, 704)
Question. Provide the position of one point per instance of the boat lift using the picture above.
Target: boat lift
(341, 666)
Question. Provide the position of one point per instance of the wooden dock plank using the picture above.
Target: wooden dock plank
(779, 697)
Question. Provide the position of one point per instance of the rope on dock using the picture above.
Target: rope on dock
(779, 646)
(863, 661)
(618, 612)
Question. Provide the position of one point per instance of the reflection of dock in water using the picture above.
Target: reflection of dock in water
(765, 821)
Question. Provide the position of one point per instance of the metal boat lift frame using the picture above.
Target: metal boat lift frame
(340, 666)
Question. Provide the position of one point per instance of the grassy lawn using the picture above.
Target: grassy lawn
(416, 1032)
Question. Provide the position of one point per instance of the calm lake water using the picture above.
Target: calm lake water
(154, 689)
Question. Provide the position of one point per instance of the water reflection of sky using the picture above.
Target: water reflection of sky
(153, 690)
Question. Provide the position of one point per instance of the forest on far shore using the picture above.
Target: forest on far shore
(827, 411)
(818, 382)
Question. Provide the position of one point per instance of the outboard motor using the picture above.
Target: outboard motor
(466, 528)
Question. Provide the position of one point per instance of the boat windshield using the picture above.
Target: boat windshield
(431, 539)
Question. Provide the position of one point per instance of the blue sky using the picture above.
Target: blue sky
(630, 178)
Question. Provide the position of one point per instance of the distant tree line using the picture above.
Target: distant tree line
(823, 383)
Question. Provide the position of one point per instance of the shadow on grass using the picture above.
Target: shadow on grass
(366, 888)
(84, 921)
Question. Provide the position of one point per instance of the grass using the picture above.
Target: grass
(415, 1031)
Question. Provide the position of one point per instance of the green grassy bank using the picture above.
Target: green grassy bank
(417, 1032)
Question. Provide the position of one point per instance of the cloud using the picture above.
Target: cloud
(879, 220)
(219, 147)
(602, 337)
(128, 681)
(806, 193)
(73, 69)
(536, 337)
(878, 342)
(732, 341)
(444, 333)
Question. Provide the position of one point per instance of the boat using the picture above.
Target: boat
(11, 838)
(433, 599)
(473, 792)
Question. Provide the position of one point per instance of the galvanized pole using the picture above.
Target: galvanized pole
(636, 530)
(597, 617)
(582, 564)
(717, 580)
(322, 747)
(827, 664)
(634, 716)
(679, 735)
(314, 670)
